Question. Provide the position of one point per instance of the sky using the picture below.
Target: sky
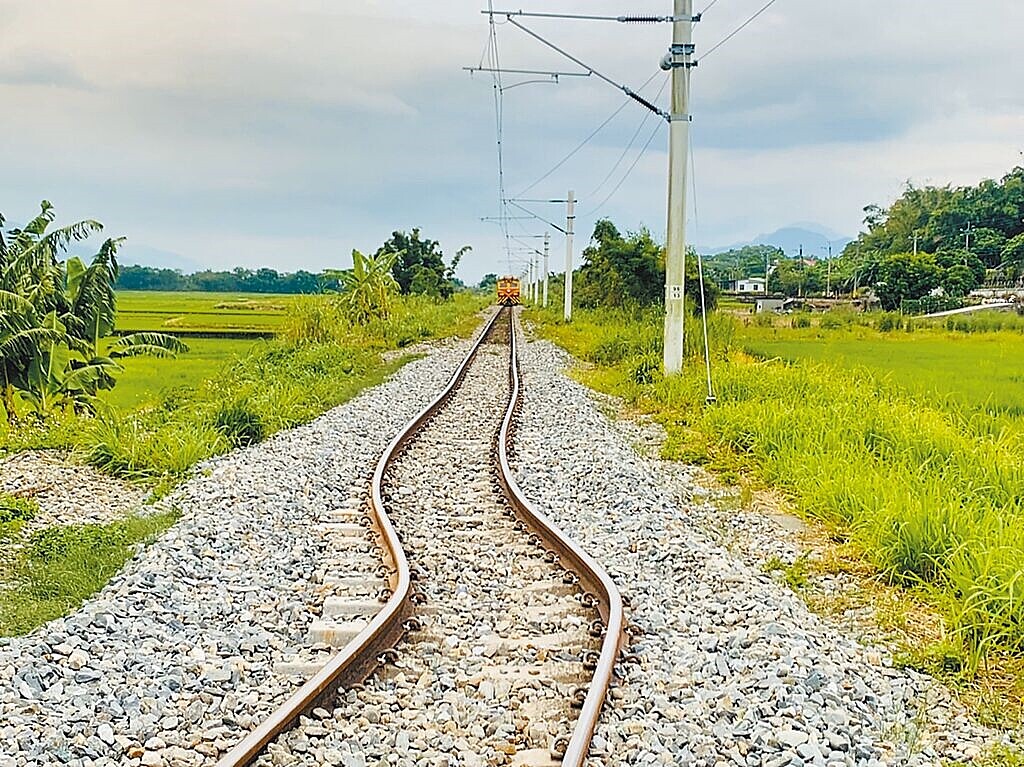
(223, 133)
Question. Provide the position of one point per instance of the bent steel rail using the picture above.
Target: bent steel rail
(360, 657)
(591, 574)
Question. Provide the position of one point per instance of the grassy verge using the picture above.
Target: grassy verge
(930, 489)
(318, 362)
(60, 567)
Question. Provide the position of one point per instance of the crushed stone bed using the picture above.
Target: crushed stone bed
(734, 669)
(67, 492)
(490, 676)
(173, 660)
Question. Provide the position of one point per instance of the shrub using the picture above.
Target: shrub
(890, 321)
(800, 321)
(239, 424)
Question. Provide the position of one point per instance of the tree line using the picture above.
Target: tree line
(944, 241)
(418, 268)
(624, 270)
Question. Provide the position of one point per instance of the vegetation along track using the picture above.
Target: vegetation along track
(501, 641)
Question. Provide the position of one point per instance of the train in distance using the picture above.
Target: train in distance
(508, 291)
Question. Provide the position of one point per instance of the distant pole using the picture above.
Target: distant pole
(967, 242)
(537, 280)
(570, 217)
(915, 244)
(767, 272)
(547, 239)
(802, 271)
(679, 141)
(828, 271)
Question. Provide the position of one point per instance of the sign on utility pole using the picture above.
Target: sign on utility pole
(570, 217)
(547, 240)
(679, 61)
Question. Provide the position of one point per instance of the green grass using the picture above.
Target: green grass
(272, 386)
(14, 512)
(979, 372)
(170, 311)
(911, 445)
(60, 567)
(146, 379)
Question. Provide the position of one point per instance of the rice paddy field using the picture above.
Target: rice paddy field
(906, 442)
(216, 326)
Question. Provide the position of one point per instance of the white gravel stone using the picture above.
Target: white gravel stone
(494, 668)
(733, 668)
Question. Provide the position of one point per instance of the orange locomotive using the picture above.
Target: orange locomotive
(508, 291)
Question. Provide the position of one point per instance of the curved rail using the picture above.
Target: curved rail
(591, 574)
(360, 657)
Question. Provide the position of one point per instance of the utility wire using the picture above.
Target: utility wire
(493, 57)
(708, 7)
(736, 31)
(591, 195)
(585, 141)
(539, 218)
(622, 180)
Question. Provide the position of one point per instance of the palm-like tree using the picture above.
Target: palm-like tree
(368, 287)
(53, 315)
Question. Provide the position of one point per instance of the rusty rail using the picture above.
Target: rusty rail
(570, 555)
(360, 657)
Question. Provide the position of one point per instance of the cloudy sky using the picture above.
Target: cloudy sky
(287, 132)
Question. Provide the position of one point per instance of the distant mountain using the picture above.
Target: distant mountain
(144, 255)
(141, 255)
(814, 239)
(130, 254)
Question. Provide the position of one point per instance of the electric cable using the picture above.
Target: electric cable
(711, 399)
(585, 141)
(622, 180)
(736, 31)
(593, 193)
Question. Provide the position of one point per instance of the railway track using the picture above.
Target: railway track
(497, 644)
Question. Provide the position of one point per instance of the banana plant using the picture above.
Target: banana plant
(55, 313)
(368, 287)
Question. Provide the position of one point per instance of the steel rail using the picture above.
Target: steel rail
(593, 577)
(361, 657)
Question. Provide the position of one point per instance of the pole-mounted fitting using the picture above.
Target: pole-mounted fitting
(641, 100)
(678, 57)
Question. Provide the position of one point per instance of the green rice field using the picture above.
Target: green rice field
(980, 371)
(198, 312)
(244, 318)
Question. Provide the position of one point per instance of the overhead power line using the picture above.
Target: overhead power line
(629, 146)
(629, 19)
(624, 88)
(585, 141)
(736, 31)
(629, 170)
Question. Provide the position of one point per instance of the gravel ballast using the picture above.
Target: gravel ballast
(733, 667)
(489, 678)
(173, 660)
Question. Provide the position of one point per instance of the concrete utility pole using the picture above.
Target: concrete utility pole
(537, 280)
(547, 240)
(679, 61)
(570, 217)
(915, 244)
(529, 280)
(828, 279)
